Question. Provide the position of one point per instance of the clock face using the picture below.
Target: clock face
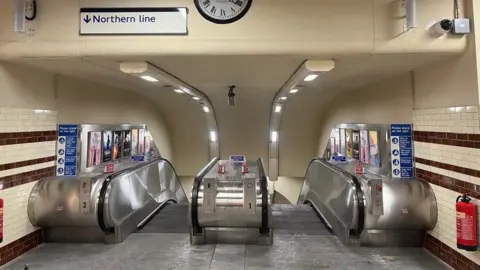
(223, 11)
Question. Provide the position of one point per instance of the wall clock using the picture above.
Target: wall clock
(223, 11)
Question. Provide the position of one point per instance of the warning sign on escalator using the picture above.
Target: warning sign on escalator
(401, 145)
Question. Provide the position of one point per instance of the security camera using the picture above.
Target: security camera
(231, 95)
(441, 27)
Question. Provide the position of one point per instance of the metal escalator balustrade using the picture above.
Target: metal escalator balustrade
(370, 209)
(230, 206)
(116, 206)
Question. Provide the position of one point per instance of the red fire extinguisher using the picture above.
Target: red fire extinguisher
(1, 220)
(466, 224)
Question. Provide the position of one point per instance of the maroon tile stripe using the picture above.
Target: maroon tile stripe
(19, 164)
(20, 246)
(449, 167)
(27, 137)
(449, 183)
(446, 138)
(449, 255)
(27, 177)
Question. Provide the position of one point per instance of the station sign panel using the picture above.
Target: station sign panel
(401, 143)
(133, 21)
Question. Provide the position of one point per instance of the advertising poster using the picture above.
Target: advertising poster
(147, 144)
(94, 148)
(356, 144)
(349, 140)
(107, 146)
(127, 143)
(364, 147)
(117, 145)
(336, 136)
(401, 146)
(134, 142)
(67, 150)
(141, 141)
(374, 153)
(343, 149)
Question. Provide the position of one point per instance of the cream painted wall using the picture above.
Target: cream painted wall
(387, 101)
(86, 102)
(330, 27)
(25, 88)
(289, 187)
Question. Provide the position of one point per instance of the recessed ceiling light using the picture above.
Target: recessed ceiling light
(178, 91)
(283, 98)
(149, 78)
(213, 136)
(274, 136)
(310, 77)
(206, 109)
(293, 91)
(196, 98)
(278, 108)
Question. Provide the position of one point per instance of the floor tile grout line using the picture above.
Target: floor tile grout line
(213, 255)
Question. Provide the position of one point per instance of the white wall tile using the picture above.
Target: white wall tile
(16, 223)
(25, 120)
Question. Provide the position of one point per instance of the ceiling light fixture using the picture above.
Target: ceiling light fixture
(274, 136)
(149, 78)
(178, 91)
(278, 108)
(310, 77)
(283, 98)
(213, 136)
(196, 98)
(206, 109)
(293, 91)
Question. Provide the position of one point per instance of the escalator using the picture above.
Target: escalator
(297, 219)
(170, 219)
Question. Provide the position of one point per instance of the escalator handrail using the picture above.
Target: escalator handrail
(264, 188)
(110, 178)
(195, 189)
(358, 191)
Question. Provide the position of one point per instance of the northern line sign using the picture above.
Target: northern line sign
(133, 21)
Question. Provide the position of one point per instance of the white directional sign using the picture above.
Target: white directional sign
(133, 21)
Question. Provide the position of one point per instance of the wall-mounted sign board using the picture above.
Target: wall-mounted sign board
(402, 151)
(133, 21)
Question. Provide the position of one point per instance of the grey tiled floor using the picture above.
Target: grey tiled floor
(173, 251)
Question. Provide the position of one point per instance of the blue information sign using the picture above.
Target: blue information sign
(402, 150)
(67, 143)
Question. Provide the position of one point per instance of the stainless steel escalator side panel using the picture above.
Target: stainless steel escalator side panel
(129, 198)
(334, 195)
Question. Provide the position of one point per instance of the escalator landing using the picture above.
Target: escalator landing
(297, 219)
(171, 219)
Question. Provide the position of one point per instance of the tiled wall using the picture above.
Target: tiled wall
(27, 154)
(447, 155)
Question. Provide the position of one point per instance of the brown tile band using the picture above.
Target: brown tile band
(449, 183)
(449, 255)
(449, 167)
(26, 177)
(4, 167)
(27, 137)
(21, 246)
(445, 138)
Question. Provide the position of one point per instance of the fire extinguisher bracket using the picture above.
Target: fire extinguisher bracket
(466, 224)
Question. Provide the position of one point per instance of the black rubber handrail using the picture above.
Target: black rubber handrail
(106, 184)
(264, 188)
(358, 189)
(195, 189)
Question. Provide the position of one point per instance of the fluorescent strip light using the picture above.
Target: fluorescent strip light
(206, 109)
(178, 91)
(274, 136)
(283, 98)
(278, 108)
(149, 78)
(196, 98)
(293, 91)
(310, 77)
(213, 136)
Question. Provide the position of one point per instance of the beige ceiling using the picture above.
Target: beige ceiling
(244, 128)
